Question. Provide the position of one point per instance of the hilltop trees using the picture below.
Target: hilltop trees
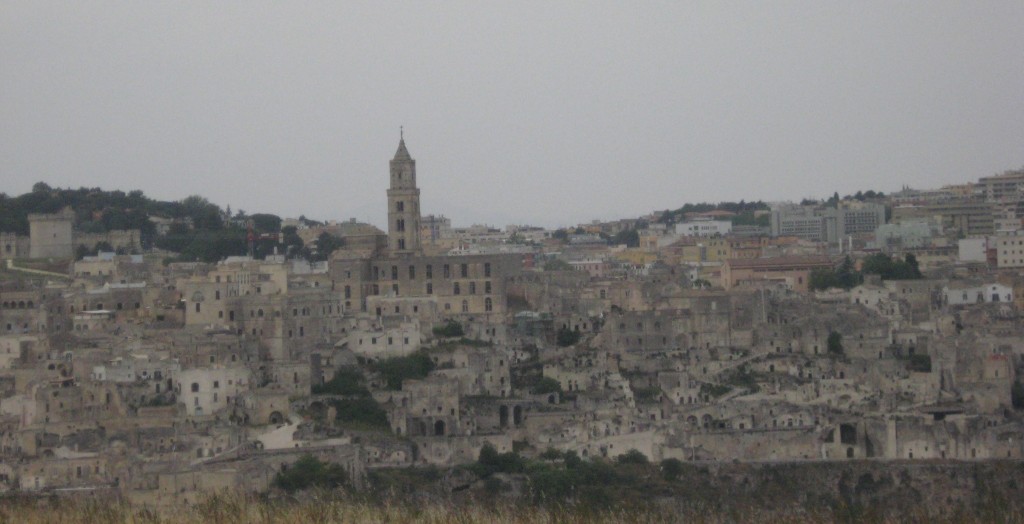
(845, 276)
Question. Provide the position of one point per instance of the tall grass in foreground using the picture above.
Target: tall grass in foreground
(329, 507)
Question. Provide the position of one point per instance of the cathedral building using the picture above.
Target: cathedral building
(400, 279)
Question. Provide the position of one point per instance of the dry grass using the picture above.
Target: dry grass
(330, 508)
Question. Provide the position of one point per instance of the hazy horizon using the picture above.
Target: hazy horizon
(530, 113)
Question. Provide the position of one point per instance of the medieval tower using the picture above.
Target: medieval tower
(403, 204)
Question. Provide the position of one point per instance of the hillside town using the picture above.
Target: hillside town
(866, 327)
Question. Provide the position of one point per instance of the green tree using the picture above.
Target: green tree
(846, 276)
(833, 202)
(630, 237)
(671, 469)
(265, 223)
(291, 240)
(835, 343)
(326, 244)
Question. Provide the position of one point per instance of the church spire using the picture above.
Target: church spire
(402, 153)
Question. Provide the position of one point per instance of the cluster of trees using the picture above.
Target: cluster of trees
(892, 269)
(96, 211)
(204, 245)
(362, 412)
(451, 329)
(358, 408)
(629, 237)
(347, 380)
(396, 369)
(845, 276)
(748, 218)
(833, 201)
(205, 232)
(741, 208)
(557, 264)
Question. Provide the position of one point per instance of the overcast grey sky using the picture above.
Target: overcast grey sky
(542, 112)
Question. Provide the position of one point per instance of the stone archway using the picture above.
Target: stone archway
(276, 417)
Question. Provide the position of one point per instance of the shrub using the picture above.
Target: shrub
(546, 385)
(632, 456)
(395, 370)
(347, 381)
(645, 395)
(671, 469)
(551, 454)
(361, 411)
(835, 343)
(450, 330)
(491, 461)
(309, 472)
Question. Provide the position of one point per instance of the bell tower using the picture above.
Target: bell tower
(403, 203)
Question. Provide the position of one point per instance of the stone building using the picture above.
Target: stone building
(50, 234)
(460, 285)
(13, 245)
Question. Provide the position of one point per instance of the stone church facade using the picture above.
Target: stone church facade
(386, 281)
